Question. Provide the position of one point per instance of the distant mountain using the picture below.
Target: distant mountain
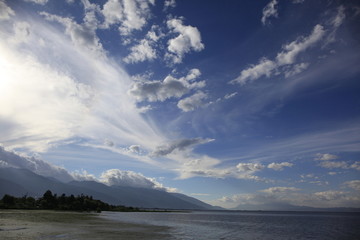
(196, 201)
(18, 182)
(289, 207)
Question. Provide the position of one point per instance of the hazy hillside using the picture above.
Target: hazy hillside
(18, 182)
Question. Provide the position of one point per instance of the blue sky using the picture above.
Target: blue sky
(231, 102)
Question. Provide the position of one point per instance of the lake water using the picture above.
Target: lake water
(228, 225)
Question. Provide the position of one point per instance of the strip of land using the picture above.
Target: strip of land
(46, 224)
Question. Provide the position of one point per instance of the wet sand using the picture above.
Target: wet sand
(40, 224)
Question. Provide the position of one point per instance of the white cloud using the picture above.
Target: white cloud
(327, 161)
(111, 177)
(179, 145)
(230, 95)
(83, 175)
(250, 167)
(193, 102)
(354, 184)
(297, 1)
(329, 195)
(288, 56)
(264, 67)
(109, 143)
(279, 166)
(283, 197)
(135, 149)
(141, 52)
(41, 2)
(340, 17)
(129, 14)
(82, 35)
(35, 92)
(170, 87)
(21, 32)
(38, 166)
(355, 165)
(116, 177)
(188, 39)
(340, 164)
(296, 69)
(55, 91)
(144, 109)
(113, 12)
(292, 50)
(274, 190)
(5, 11)
(169, 4)
(269, 10)
(325, 157)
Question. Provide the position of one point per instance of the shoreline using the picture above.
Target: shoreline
(47, 224)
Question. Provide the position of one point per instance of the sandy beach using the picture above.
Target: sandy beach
(40, 224)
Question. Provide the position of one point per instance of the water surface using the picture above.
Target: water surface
(249, 225)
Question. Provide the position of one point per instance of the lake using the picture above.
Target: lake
(238, 225)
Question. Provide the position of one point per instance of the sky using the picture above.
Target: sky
(231, 102)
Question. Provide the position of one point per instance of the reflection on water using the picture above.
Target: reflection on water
(249, 225)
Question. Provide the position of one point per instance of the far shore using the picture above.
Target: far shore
(47, 224)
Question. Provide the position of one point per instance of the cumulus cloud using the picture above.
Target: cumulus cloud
(169, 4)
(331, 164)
(188, 39)
(83, 175)
(83, 35)
(5, 11)
(170, 87)
(117, 177)
(340, 164)
(110, 177)
(41, 2)
(130, 15)
(274, 190)
(286, 57)
(145, 50)
(141, 52)
(269, 10)
(283, 197)
(355, 165)
(250, 167)
(38, 166)
(327, 161)
(279, 166)
(325, 157)
(135, 149)
(354, 184)
(193, 102)
(179, 145)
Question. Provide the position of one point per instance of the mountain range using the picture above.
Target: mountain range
(19, 182)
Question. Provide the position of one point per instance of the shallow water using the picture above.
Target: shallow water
(248, 225)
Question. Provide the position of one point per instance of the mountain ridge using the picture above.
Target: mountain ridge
(22, 182)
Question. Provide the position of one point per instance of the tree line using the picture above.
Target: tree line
(62, 202)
